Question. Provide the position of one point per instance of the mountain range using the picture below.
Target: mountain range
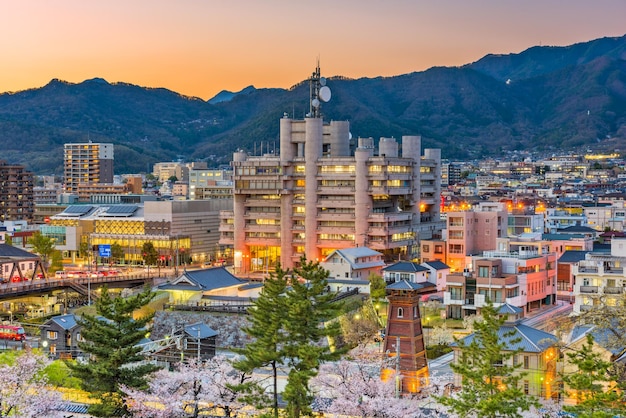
(544, 99)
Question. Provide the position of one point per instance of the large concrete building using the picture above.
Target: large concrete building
(87, 163)
(318, 196)
(188, 229)
(16, 193)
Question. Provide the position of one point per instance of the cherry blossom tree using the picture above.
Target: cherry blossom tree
(356, 389)
(193, 389)
(24, 391)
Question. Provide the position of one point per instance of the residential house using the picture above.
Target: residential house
(60, 336)
(353, 263)
(605, 345)
(437, 274)
(536, 352)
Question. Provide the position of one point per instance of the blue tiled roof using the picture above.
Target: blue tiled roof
(405, 285)
(405, 266)
(437, 265)
(531, 340)
(201, 280)
(205, 330)
(509, 309)
(601, 337)
(65, 321)
(7, 250)
(571, 256)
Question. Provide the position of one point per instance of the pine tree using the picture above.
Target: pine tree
(309, 310)
(591, 384)
(110, 340)
(490, 382)
(267, 318)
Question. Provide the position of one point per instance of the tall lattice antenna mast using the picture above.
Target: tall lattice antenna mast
(319, 92)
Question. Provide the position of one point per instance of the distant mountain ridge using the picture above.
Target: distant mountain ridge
(542, 99)
(225, 95)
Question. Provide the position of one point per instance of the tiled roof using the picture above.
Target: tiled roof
(577, 228)
(205, 330)
(7, 250)
(601, 336)
(572, 256)
(437, 265)
(531, 340)
(405, 285)
(405, 266)
(509, 309)
(65, 321)
(202, 280)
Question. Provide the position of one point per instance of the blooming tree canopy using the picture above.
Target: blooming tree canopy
(24, 391)
(193, 389)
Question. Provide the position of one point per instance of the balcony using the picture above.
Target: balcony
(586, 269)
(588, 289)
(613, 290)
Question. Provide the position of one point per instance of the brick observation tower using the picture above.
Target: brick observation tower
(405, 352)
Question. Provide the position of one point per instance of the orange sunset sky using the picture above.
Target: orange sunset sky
(200, 47)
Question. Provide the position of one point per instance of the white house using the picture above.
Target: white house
(353, 263)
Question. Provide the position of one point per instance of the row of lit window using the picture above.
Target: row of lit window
(338, 169)
(258, 184)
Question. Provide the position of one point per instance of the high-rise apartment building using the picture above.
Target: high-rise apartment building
(16, 193)
(87, 163)
(317, 196)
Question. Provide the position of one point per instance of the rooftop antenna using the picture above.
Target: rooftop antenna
(319, 92)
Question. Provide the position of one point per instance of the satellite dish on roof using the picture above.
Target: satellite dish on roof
(324, 94)
(322, 81)
(315, 103)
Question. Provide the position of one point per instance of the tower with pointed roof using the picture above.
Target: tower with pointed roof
(405, 351)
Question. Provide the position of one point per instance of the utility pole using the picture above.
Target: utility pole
(176, 262)
(198, 342)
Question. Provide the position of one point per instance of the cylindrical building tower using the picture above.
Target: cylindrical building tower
(362, 200)
(312, 152)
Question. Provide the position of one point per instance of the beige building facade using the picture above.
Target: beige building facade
(317, 196)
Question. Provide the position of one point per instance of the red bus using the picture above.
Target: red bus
(12, 332)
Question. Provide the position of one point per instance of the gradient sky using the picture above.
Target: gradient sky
(200, 47)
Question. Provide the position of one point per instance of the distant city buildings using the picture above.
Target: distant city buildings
(16, 193)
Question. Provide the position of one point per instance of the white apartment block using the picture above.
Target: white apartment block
(599, 279)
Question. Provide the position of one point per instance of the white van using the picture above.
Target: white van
(60, 275)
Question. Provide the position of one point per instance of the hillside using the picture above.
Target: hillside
(542, 99)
